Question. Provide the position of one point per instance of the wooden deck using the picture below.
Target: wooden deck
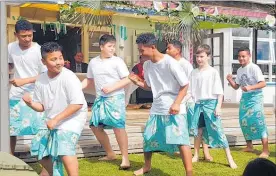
(88, 145)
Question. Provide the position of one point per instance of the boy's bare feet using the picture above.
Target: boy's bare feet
(208, 158)
(232, 164)
(247, 149)
(141, 171)
(264, 154)
(195, 159)
(107, 158)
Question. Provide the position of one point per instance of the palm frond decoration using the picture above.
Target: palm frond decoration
(84, 13)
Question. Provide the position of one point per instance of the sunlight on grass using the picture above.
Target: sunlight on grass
(171, 165)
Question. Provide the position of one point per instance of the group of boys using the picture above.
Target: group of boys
(49, 102)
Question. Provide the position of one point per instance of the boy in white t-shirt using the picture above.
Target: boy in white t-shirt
(58, 92)
(109, 75)
(207, 92)
(174, 49)
(251, 115)
(25, 58)
(167, 127)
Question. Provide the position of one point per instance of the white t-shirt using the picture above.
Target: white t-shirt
(57, 93)
(27, 63)
(107, 72)
(251, 74)
(188, 68)
(165, 79)
(205, 84)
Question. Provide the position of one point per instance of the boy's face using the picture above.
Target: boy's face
(172, 51)
(202, 58)
(54, 62)
(108, 49)
(244, 57)
(25, 38)
(146, 51)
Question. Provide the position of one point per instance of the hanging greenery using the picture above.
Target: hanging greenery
(72, 13)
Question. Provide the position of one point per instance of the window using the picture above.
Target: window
(235, 68)
(266, 50)
(264, 68)
(263, 51)
(241, 32)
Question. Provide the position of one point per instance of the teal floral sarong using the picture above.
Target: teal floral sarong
(24, 120)
(109, 112)
(213, 133)
(166, 133)
(54, 144)
(251, 116)
(190, 113)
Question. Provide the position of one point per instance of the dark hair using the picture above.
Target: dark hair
(23, 25)
(176, 44)
(106, 38)
(146, 39)
(204, 48)
(244, 49)
(260, 166)
(49, 47)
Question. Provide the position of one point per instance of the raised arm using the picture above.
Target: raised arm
(34, 105)
(232, 82)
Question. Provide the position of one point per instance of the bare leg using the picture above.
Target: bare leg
(104, 141)
(46, 162)
(71, 165)
(230, 160)
(249, 146)
(265, 153)
(147, 167)
(186, 156)
(44, 172)
(12, 144)
(197, 143)
(206, 152)
(121, 137)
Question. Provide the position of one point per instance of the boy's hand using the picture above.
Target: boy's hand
(217, 111)
(27, 98)
(174, 109)
(107, 90)
(51, 124)
(134, 78)
(17, 82)
(229, 77)
(246, 88)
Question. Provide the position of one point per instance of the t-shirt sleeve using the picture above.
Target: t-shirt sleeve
(37, 95)
(258, 74)
(73, 89)
(178, 73)
(189, 69)
(89, 71)
(217, 86)
(122, 68)
(146, 73)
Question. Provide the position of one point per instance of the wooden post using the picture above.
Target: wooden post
(85, 43)
(4, 98)
(254, 48)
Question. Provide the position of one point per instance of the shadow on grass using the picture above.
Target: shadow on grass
(134, 166)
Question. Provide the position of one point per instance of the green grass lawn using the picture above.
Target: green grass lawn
(167, 165)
